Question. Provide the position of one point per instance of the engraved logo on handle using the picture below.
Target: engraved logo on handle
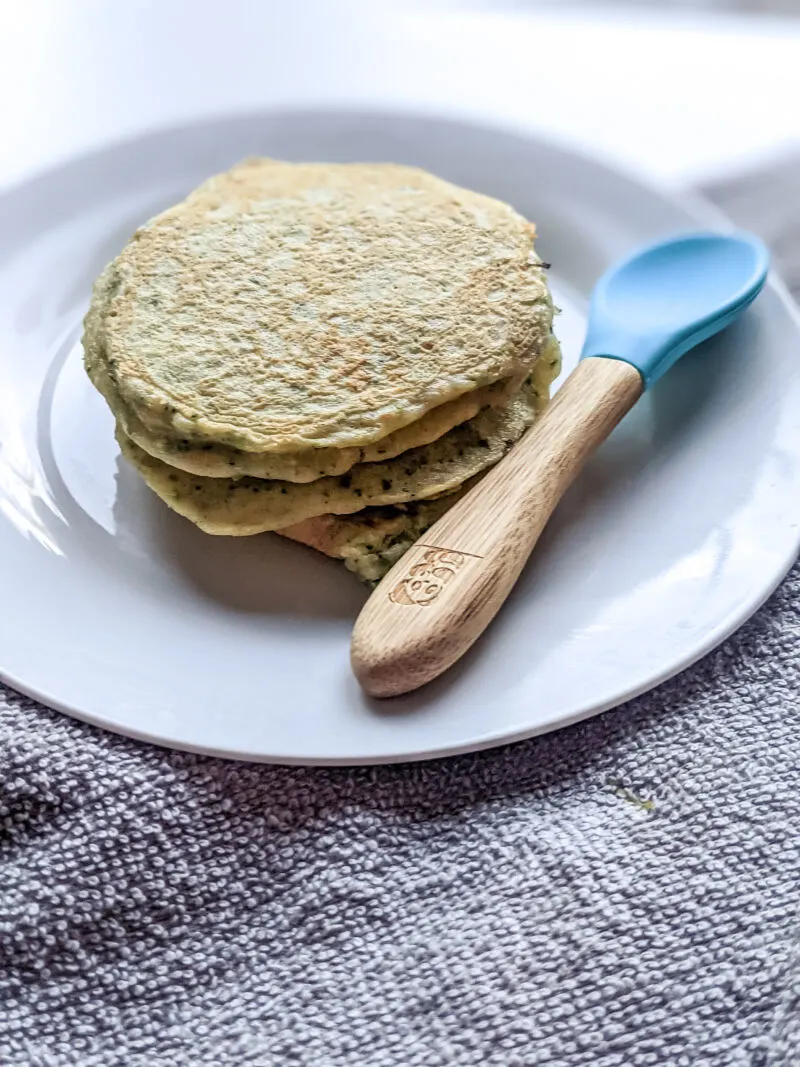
(427, 579)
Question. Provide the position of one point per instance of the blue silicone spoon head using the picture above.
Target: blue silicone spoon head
(665, 299)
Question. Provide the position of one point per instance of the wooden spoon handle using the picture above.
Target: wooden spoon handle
(437, 600)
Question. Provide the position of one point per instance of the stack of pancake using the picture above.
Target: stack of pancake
(329, 351)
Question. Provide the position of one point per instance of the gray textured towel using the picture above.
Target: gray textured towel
(623, 892)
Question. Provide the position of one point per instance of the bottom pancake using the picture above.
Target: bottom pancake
(373, 540)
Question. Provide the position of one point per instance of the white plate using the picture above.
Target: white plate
(119, 612)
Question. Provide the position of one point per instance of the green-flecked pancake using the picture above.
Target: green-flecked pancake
(372, 541)
(287, 306)
(241, 506)
(223, 461)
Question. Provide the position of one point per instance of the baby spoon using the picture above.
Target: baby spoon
(645, 313)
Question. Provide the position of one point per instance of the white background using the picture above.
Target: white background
(676, 98)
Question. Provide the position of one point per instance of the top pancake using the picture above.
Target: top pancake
(289, 306)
